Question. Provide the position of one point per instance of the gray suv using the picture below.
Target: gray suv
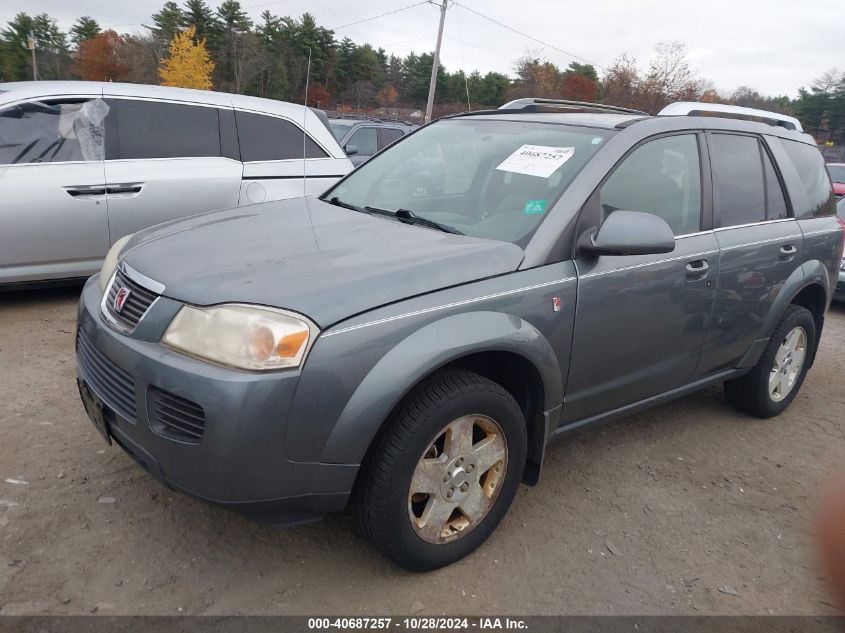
(362, 139)
(415, 354)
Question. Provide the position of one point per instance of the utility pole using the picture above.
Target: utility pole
(31, 45)
(436, 63)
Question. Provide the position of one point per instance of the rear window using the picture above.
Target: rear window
(810, 166)
(151, 129)
(266, 138)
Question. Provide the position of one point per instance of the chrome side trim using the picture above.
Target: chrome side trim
(446, 306)
(644, 264)
(749, 224)
(773, 239)
(696, 234)
(141, 279)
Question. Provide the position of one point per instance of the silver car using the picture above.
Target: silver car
(83, 164)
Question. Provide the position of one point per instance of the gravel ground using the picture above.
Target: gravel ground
(690, 508)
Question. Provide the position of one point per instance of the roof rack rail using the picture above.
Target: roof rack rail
(534, 104)
(692, 108)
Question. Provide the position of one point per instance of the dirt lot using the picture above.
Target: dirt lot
(691, 508)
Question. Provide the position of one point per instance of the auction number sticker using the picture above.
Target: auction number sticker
(536, 160)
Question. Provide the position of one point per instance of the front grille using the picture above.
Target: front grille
(106, 379)
(137, 303)
(175, 417)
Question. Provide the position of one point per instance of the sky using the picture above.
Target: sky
(774, 46)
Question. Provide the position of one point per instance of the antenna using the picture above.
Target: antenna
(304, 126)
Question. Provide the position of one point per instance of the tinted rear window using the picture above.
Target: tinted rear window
(810, 166)
(738, 179)
(150, 129)
(271, 138)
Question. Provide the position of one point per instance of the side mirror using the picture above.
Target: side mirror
(350, 149)
(630, 233)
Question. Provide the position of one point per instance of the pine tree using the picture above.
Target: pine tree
(83, 29)
(188, 65)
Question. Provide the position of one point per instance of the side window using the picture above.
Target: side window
(809, 163)
(662, 177)
(271, 138)
(50, 132)
(738, 179)
(366, 140)
(388, 135)
(775, 201)
(153, 129)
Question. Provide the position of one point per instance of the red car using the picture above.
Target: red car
(837, 175)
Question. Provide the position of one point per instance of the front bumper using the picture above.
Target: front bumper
(240, 459)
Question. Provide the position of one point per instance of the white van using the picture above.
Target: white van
(84, 163)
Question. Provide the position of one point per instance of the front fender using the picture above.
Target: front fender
(421, 353)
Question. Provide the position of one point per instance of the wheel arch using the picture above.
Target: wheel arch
(501, 347)
(808, 286)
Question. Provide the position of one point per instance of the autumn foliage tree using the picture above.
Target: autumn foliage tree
(188, 64)
(100, 58)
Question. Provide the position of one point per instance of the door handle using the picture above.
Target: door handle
(697, 269)
(125, 187)
(787, 251)
(85, 191)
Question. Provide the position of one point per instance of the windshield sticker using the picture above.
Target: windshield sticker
(534, 207)
(536, 160)
(597, 140)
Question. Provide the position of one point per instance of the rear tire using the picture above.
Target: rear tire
(444, 471)
(773, 383)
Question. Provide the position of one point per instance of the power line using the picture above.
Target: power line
(380, 15)
(530, 37)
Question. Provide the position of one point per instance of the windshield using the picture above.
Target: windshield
(339, 129)
(486, 178)
(837, 172)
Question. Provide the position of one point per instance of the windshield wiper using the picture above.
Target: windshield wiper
(346, 205)
(403, 215)
(409, 217)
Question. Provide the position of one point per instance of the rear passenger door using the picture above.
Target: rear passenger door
(760, 244)
(641, 319)
(168, 160)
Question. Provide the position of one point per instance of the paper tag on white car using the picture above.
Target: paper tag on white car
(536, 160)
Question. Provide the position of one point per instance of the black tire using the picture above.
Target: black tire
(750, 393)
(382, 493)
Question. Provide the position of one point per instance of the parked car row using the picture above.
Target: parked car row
(83, 164)
(414, 337)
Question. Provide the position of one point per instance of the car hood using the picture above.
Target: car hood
(310, 257)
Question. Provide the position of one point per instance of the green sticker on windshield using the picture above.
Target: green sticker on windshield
(534, 207)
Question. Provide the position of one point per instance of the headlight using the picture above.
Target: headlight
(241, 336)
(110, 262)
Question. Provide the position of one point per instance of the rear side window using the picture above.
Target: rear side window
(387, 136)
(265, 138)
(662, 177)
(53, 132)
(151, 129)
(775, 200)
(738, 179)
(810, 166)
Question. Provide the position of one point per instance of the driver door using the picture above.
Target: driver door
(641, 319)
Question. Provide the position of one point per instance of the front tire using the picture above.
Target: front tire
(773, 383)
(444, 471)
